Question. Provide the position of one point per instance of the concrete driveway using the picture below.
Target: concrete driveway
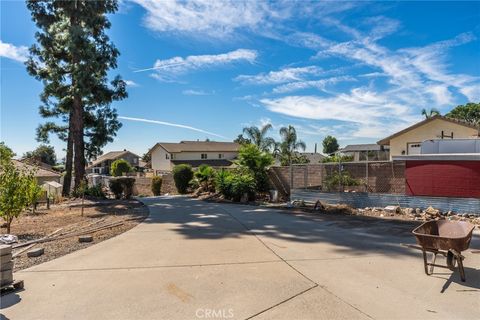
(198, 260)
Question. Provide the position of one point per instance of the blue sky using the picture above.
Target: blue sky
(206, 69)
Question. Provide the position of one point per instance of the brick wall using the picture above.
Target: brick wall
(143, 185)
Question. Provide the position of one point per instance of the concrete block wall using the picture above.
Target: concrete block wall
(143, 185)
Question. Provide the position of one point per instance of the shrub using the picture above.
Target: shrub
(337, 158)
(340, 179)
(223, 183)
(127, 186)
(119, 167)
(182, 174)
(95, 191)
(116, 188)
(243, 183)
(206, 177)
(257, 162)
(156, 185)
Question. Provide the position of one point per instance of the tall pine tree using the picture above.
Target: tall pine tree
(72, 57)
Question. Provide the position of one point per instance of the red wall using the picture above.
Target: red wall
(443, 178)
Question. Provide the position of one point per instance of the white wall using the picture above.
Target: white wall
(158, 160)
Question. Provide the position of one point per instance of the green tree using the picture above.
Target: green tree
(182, 174)
(206, 177)
(119, 167)
(430, 113)
(242, 140)
(257, 162)
(469, 112)
(258, 137)
(72, 58)
(43, 153)
(15, 188)
(289, 144)
(5, 152)
(330, 145)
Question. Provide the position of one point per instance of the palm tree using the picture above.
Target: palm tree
(429, 114)
(258, 136)
(289, 144)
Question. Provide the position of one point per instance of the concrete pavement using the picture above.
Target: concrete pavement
(198, 260)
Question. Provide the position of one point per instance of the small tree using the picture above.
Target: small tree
(330, 145)
(182, 174)
(43, 153)
(156, 185)
(34, 191)
(15, 187)
(206, 177)
(257, 162)
(119, 167)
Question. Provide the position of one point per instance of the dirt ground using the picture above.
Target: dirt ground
(67, 216)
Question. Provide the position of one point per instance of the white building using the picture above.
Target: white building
(165, 155)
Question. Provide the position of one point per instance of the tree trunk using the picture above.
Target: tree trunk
(67, 180)
(79, 145)
(9, 223)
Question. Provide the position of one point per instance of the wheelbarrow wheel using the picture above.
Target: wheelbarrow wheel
(451, 260)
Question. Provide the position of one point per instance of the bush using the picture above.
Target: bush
(337, 158)
(206, 177)
(122, 186)
(182, 174)
(223, 183)
(95, 191)
(243, 183)
(116, 188)
(119, 167)
(333, 181)
(234, 185)
(156, 185)
(257, 162)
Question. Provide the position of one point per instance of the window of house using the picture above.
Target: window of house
(167, 156)
(204, 156)
(135, 160)
(220, 156)
(172, 155)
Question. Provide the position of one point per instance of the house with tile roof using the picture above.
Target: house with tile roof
(409, 140)
(102, 164)
(165, 155)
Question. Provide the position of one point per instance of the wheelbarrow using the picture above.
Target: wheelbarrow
(448, 238)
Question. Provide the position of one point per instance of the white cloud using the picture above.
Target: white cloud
(170, 124)
(212, 18)
(281, 76)
(10, 51)
(131, 83)
(318, 84)
(192, 92)
(168, 68)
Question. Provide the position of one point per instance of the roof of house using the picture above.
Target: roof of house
(386, 141)
(313, 157)
(210, 162)
(198, 146)
(112, 155)
(361, 147)
(39, 171)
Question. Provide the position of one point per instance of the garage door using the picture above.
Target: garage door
(414, 148)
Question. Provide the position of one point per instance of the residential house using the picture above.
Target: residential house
(313, 157)
(359, 152)
(41, 174)
(165, 155)
(408, 141)
(103, 163)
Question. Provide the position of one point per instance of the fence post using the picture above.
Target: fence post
(305, 177)
(366, 174)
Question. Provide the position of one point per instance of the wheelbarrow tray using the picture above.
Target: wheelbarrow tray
(444, 235)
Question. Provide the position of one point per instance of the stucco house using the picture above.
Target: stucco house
(408, 141)
(103, 163)
(41, 174)
(165, 155)
(359, 152)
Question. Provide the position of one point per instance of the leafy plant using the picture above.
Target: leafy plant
(223, 183)
(127, 185)
(257, 162)
(34, 191)
(119, 167)
(330, 145)
(337, 158)
(116, 188)
(205, 176)
(182, 174)
(156, 185)
(258, 137)
(336, 179)
(243, 183)
(289, 145)
(95, 191)
(16, 188)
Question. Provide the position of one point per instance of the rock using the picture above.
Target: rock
(35, 252)
(408, 211)
(418, 211)
(5, 249)
(392, 209)
(465, 215)
(449, 213)
(432, 212)
(85, 238)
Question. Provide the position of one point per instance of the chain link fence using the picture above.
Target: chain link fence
(373, 176)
